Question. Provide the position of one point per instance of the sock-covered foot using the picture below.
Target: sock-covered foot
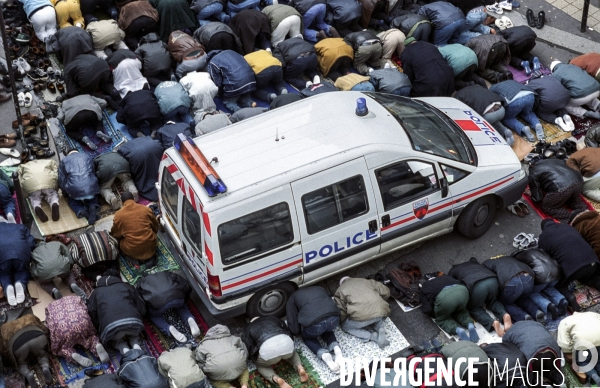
(86, 140)
(2, 219)
(462, 334)
(316, 80)
(303, 374)
(540, 317)
(102, 354)
(374, 337)
(562, 306)
(138, 347)
(339, 356)
(83, 361)
(31, 380)
(569, 122)
(10, 218)
(326, 357)
(592, 114)
(104, 137)
(596, 378)
(114, 202)
(539, 131)
(473, 333)
(382, 339)
(526, 131)
(56, 294)
(78, 291)
(136, 195)
(508, 136)
(19, 292)
(194, 329)
(10, 295)
(179, 337)
(47, 375)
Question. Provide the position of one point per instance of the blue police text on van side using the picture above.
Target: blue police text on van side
(351, 241)
(483, 126)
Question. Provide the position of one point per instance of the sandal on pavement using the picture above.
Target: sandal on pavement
(523, 206)
(516, 210)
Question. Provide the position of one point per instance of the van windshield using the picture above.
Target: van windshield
(429, 131)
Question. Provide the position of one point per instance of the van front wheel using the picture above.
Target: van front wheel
(270, 300)
(477, 218)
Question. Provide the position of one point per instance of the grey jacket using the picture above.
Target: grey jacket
(388, 80)
(221, 355)
(77, 104)
(577, 81)
(110, 165)
(49, 260)
(362, 299)
(531, 338)
(179, 366)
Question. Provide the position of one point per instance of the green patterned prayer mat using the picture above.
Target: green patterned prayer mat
(166, 262)
(289, 374)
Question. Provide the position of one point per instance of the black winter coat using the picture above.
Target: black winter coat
(521, 39)
(247, 25)
(550, 176)
(138, 106)
(592, 137)
(85, 72)
(308, 306)
(109, 165)
(139, 370)
(115, 306)
(388, 80)
(551, 95)
(73, 42)
(260, 330)
(567, 246)
(160, 288)
(428, 71)
(290, 49)
(17, 242)
(304, 5)
(207, 31)
(477, 97)
(356, 39)
(531, 338)
(77, 176)
(470, 272)
(546, 269)
(344, 11)
(504, 353)
(230, 72)
(168, 132)
(119, 55)
(429, 290)
(143, 155)
(441, 13)
(154, 55)
(406, 22)
(506, 268)
(108, 380)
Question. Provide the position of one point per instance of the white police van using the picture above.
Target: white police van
(300, 193)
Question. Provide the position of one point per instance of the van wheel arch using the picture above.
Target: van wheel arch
(477, 217)
(270, 300)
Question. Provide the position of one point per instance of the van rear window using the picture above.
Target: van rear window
(255, 233)
(169, 192)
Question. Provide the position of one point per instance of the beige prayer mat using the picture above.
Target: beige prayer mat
(68, 220)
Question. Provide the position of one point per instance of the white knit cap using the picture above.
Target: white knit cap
(554, 63)
(343, 279)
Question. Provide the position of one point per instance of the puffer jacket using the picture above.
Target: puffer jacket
(261, 329)
(139, 370)
(18, 242)
(482, 45)
(458, 57)
(531, 338)
(588, 225)
(231, 73)
(459, 350)
(30, 6)
(550, 94)
(470, 272)
(576, 80)
(290, 49)
(109, 165)
(546, 269)
(179, 366)
(181, 44)
(388, 80)
(49, 260)
(221, 356)
(309, 306)
(38, 174)
(76, 176)
(504, 353)
(362, 299)
(206, 32)
(356, 39)
(154, 55)
(405, 23)
(592, 137)
(171, 95)
(109, 317)
(345, 11)
(197, 5)
(9, 331)
(441, 13)
(160, 288)
(576, 328)
(329, 50)
(520, 39)
(550, 176)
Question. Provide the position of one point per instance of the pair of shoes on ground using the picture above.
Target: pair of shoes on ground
(528, 69)
(500, 7)
(39, 212)
(519, 208)
(25, 99)
(565, 123)
(15, 294)
(537, 22)
(525, 241)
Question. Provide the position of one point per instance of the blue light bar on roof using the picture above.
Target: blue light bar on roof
(197, 162)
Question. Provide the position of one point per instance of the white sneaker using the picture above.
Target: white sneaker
(28, 100)
(561, 123)
(20, 292)
(10, 152)
(2, 219)
(316, 80)
(10, 162)
(194, 329)
(569, 122)
(179, 337)
(387, 66)
(100, 54)
(309, 84)
(10, 295)
(22, 64)
(21, 99)
(10, 218)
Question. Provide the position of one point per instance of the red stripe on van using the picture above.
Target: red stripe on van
(208, 253)
(262, 274)
(192, 198)
(172, 168)
(163, 157)
(206, 222)
(180, 184)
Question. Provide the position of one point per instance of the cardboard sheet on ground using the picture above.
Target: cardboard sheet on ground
(43, 299)
(484, 335)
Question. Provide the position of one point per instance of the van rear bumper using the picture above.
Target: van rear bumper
(235, 311)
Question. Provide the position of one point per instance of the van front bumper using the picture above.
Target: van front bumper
(513, 193)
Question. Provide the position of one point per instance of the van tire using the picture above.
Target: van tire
(477, 218)
(270, 301)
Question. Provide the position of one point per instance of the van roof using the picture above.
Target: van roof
(314, 133)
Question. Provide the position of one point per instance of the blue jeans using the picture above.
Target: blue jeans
(211, 10)
(12, 271)
(156, 316)
(451, 31)
(544, 294)
(235, 103)
(520, 107)
(81, 207)
(316, 15)
(365, 86)
(519, 287)
(7, 201)
(181, 114)
(272, 75)
(473, 26)
(403, 91)
(232, 9)
(323, 329)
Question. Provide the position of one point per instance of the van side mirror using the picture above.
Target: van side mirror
(444, 184)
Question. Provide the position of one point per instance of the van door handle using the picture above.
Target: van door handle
(373, 226)
(385, 220)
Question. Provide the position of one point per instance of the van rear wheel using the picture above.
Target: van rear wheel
(270, 300)
(477, 218)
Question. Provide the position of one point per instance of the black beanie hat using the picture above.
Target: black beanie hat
(125, 196)
(546, 221)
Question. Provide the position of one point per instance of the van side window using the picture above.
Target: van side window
(453, 174)
(169, 193)
(255, 233)
(404, 181)
(191, 225)
(332, 205)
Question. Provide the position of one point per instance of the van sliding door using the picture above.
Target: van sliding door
(338, 219)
